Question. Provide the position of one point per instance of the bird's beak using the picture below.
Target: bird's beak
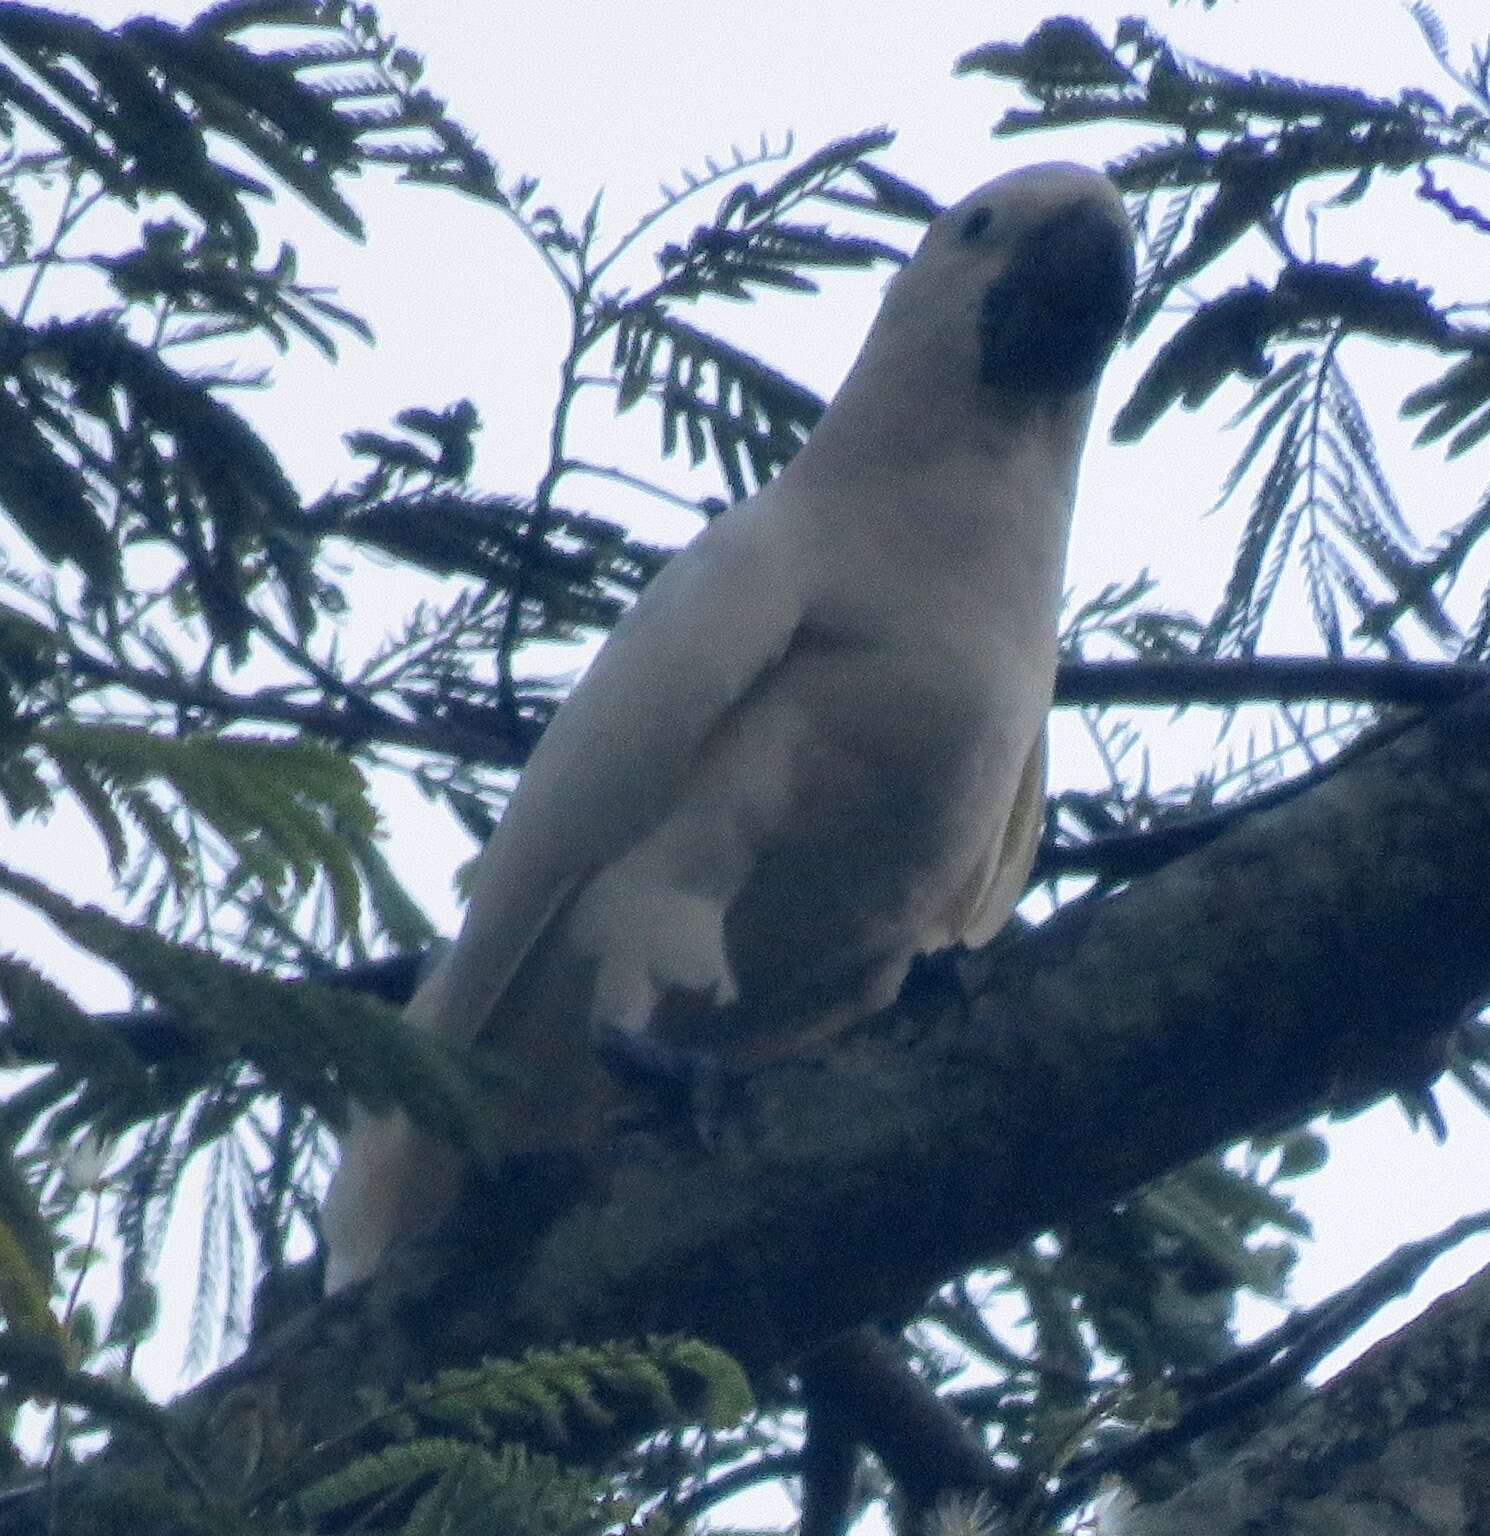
(1049, 322)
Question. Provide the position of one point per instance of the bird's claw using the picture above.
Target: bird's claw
(941, 971)
(694, 1081)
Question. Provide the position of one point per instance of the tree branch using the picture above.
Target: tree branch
(1315, 953)
(1394, 1444)
(1260, 1373)
(1276, 679)
(1126, 855)
(861, 1386)
(1265, 680)
(328, 721)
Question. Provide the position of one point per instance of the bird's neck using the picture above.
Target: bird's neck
(951, 474)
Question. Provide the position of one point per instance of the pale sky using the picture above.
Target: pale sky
(595, 93)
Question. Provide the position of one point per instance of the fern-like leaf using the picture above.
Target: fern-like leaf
(753, 417)
(313, 1043)
(273, 803)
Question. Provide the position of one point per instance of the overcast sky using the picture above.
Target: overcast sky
(588, 94)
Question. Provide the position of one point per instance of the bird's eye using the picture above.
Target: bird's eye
(975, 224)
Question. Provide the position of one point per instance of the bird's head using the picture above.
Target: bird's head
(1026, 281)
(988, 346)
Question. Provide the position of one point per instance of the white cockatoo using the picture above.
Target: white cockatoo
(814, 749)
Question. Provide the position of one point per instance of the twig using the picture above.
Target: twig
(1461, 213)
(1266, 679)
(326, 720)
(1125, 855)
(764, 1469)
(632, 482)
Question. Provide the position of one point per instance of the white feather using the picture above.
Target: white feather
(793, 766)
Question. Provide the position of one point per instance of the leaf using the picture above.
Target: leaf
(46, 1025)
(1473, 432)
(750, 413)
(239, 514)
(1230, 334)
(49, 500)
(397, 913)
(726, 262)
(1286, 384)
(1432, 28)
(76, 140)
(819, 170)
(26, 1255)
(1237, 615)
(892, 195)
(1302, 1153)
(1198, 1222)
(298, 1034)
(275, 804)
(1061, 52)
(1454, 398)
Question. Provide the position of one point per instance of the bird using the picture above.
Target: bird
(813, 750)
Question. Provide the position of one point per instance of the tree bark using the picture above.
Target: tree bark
(1319, 952)
(1397, 1445)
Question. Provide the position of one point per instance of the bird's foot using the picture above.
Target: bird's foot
(941, 971)
(694, 1082)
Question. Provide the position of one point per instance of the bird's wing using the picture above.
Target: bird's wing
(1011, 853)
(617, 756)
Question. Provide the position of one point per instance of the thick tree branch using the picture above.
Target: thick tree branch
(1261, 1372)
(1318, 951)
(1400, 1442)
(857, 1390)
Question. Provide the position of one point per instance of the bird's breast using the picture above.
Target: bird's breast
(827, 826)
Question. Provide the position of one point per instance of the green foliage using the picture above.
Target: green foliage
(565, 1398)
(752, 417)
(469, 1488)
(37, 1364)
(132, 116)
(283, 810)
(1151, 1284)
(296, 1035)
(474, 1445)
(1325, 490)
(25, 1290)
(170, 671)
(1459, 402)
(1240, 162)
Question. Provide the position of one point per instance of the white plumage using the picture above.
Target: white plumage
(814, 748)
